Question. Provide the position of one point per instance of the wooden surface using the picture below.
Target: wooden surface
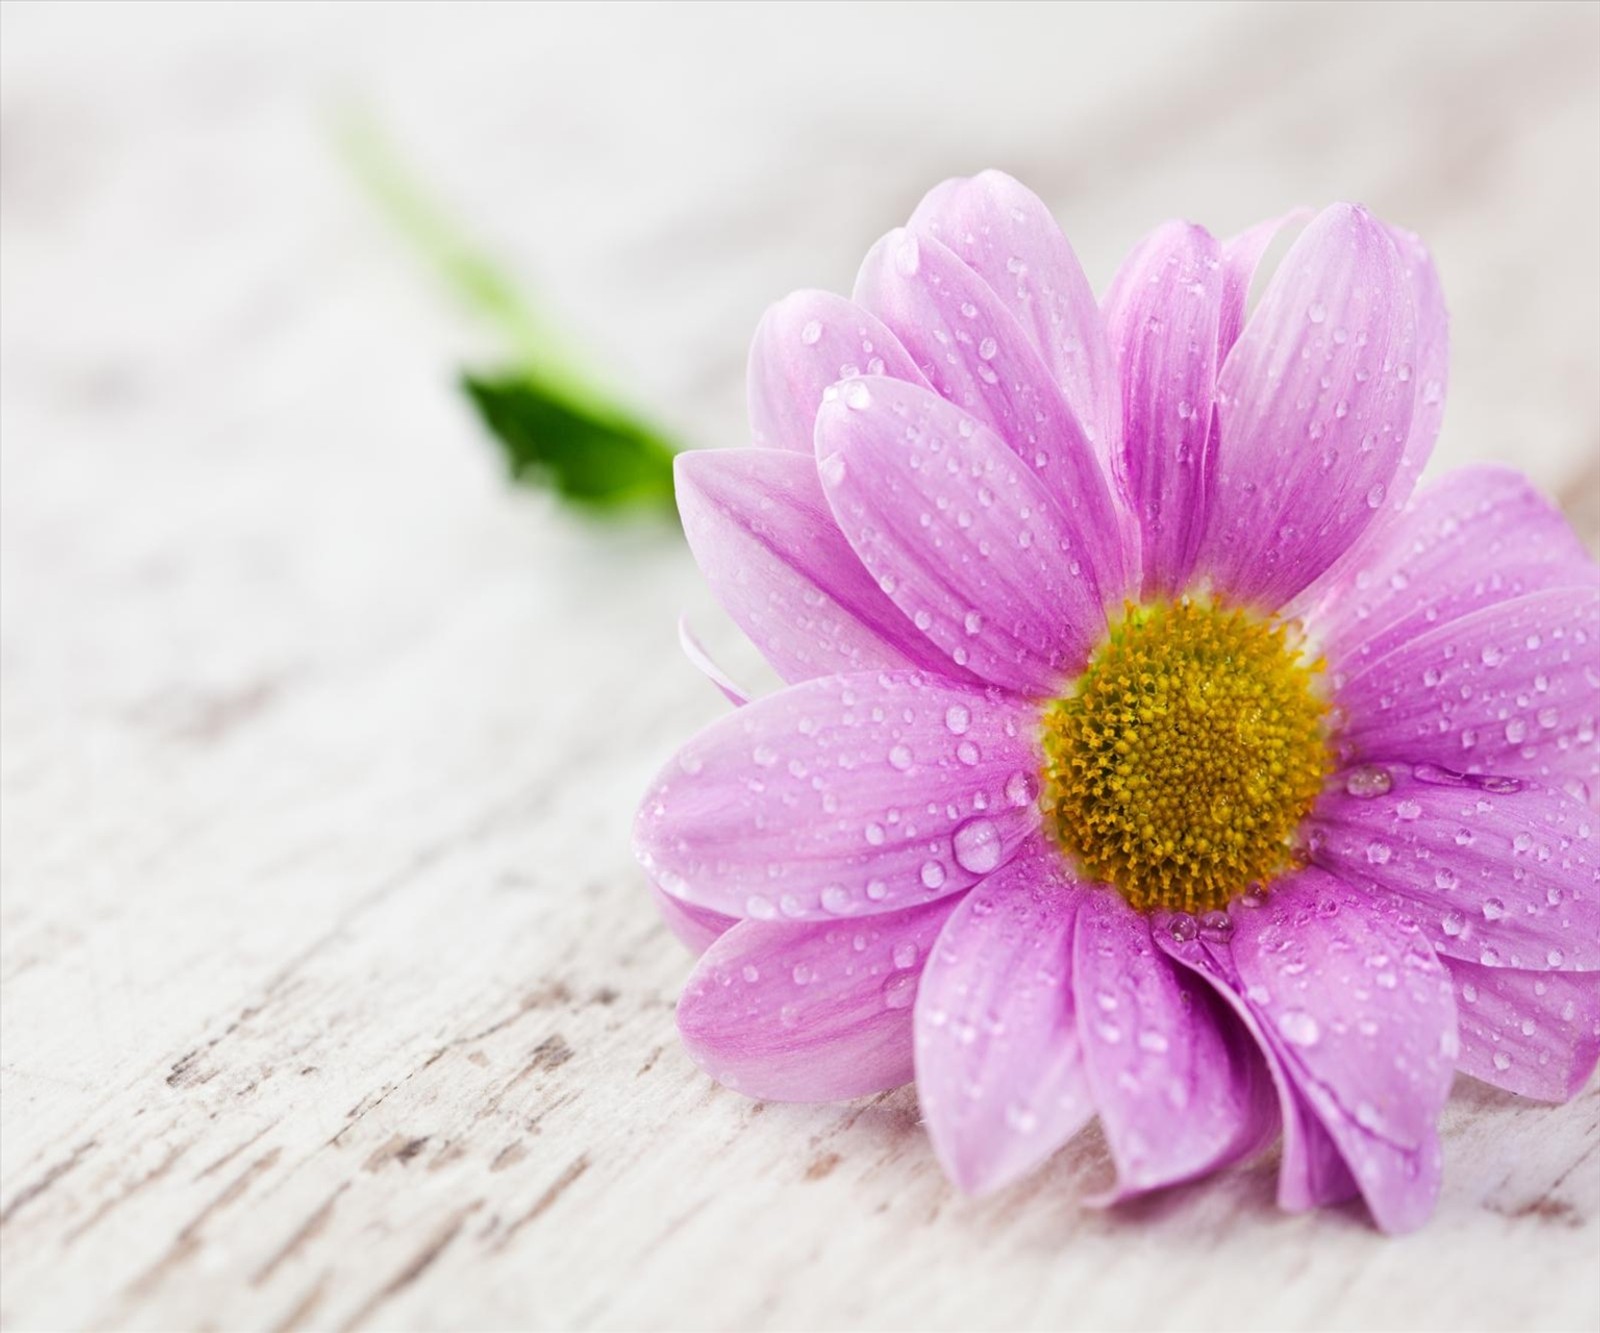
(331, 995)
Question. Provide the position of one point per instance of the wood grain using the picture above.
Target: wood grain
(331, 997)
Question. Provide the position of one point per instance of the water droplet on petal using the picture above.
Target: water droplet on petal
(1183, 927)
(1299, 1028)
(977, 846)
(1022, 789)
(1368, 780)
(900, 990)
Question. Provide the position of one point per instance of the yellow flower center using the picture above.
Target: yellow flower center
(1191, 747)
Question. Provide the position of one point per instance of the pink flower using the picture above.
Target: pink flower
(1150, 751)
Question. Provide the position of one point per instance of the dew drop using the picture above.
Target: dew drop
(836, 899)
(1298, 1027)
(977, 846)
(812, 331)
(1368, 780)
(1022, 789)
(900, 990)
(1021, 1118)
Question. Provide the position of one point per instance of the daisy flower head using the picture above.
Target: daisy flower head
(1153, 748)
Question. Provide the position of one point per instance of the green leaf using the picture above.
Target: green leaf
(593, 455)
(557, 425)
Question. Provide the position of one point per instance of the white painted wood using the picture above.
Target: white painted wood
(331, 997)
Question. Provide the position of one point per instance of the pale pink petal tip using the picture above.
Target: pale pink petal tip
(697, 928)
(702, 661)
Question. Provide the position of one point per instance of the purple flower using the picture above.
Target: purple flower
(1150, 751)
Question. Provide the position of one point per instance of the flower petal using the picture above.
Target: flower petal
(1180, 1087)
(696, 927)
(760, 528)
(961, 534)
(1364, 1016)
(1241, 258)
(706, 665)
(1314, 408)
(1312, 1172)
(848, 794)
(1161, 314)
(805, 344)
(1529, 1033)
(1006, 234)
(1509, 689)
(1361, 1016)
(976, 355)
(1430, 371)
(1500, 871)
(1478, 536)
(999, 1070)
(814, 1012)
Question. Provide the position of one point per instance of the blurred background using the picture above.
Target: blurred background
(331, 994)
